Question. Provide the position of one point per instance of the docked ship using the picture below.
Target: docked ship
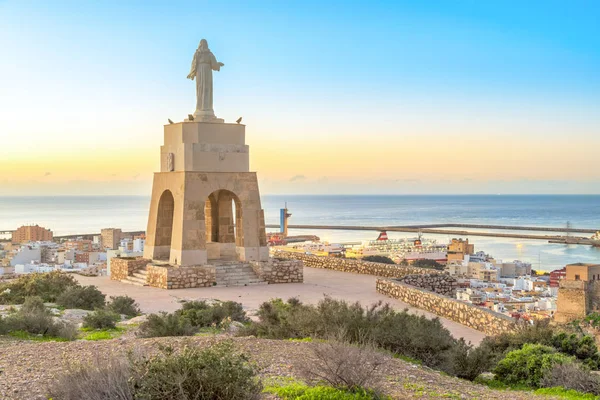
(400, 249)
(595, 239)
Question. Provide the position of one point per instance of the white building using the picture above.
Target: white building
(26, 255)
(138, 245)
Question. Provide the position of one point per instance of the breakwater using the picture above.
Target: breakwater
(418, 229)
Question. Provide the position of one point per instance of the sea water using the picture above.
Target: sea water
(88, 214)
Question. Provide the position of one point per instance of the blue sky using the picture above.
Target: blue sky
(349, 96)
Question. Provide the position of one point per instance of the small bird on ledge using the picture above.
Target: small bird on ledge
(239, 120)
(170, 122)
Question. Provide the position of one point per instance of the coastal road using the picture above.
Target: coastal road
(317, 283)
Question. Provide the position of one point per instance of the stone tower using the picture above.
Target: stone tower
(205, 201)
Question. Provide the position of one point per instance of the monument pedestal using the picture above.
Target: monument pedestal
(205, 202)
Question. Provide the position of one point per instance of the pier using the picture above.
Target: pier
(436, 229)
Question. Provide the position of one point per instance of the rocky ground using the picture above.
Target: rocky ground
(27, 368)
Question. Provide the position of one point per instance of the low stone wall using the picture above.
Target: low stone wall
(481, 319)
(122, 267)
(353, 265)
(279, 271)
(168, 277)
(437, 283)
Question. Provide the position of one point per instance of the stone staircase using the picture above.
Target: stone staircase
(138, 278)
(237, 274)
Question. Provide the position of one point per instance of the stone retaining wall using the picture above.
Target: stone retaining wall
(168, 277)
(353, 265)
(122, 267)
(481, 319)
(437, 283)
(279, 271)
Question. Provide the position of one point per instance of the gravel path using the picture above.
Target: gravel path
(27, 368)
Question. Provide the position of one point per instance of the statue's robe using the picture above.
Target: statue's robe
(203, 64)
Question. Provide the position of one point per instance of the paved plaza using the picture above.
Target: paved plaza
(317, 283)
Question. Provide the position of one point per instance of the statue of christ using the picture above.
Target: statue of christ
(203, 64)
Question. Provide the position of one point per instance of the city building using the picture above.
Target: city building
(515, 269)
(578, 292)
(79, 245)
(111, 237)
(138, 244)
(458, 249)
(31, 233)
(583, 272)
(87, 257)
(26, 254)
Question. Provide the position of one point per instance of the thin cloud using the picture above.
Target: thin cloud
(47, 174)
(297, 178)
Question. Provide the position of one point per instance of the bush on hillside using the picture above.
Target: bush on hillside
(83, 297)
(423, 263)
(164, 324)
(36, 321)
(582, 347)
(3, 326)
(468, 362)
(123, 305)
(201, 314)
(216, 372)
(379, 259)
(34, 304)
(400, 332)
(343, 366)
(528, 365)
(101, 319)
(49, 286)
(572, 376)
(100, 380)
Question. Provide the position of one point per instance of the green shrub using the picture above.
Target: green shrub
(500, 345)
(123, 305)
(49, 286)
(379, 259)
(38, 322)
(582, 347)
(34, 304)
(216, 372)
(468, 362)
(528, 365)
(400, 332)
(101, 319)
(573, 376)
(3, 326)
(423, 263)
(83, 297)
(200, 314)
(165, 324)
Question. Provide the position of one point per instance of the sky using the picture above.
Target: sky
(338, 97)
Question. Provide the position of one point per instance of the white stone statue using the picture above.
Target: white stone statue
(203, 64)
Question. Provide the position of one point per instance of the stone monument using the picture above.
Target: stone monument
(205, 201)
